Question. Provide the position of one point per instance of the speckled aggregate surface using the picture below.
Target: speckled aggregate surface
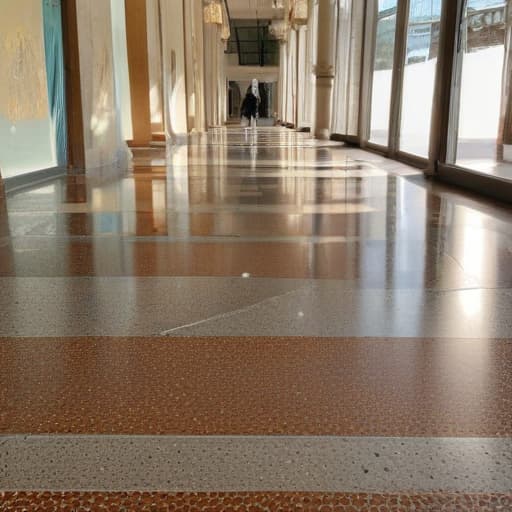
(392, 294)
(333, 310)
(333, 464)
(327, 386)
(245, 307)
(44, 306)
(253, 502)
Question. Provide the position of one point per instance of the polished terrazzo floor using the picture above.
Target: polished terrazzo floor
(255, 321)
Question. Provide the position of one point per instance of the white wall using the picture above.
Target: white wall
(102, 139)
(25, 128)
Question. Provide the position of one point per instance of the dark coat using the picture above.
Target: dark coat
(249, 106)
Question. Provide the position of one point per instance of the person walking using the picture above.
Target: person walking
(250, 105)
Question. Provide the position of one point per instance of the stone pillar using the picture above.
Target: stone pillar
(283, 69)
(302, 75)
(325, 67)
(213, 70)
(291, 92)
(174, 69)
(222, 84)
(194, 48)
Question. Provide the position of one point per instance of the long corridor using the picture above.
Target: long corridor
(255, 321)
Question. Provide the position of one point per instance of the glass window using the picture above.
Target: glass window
(479, 103)
(383, 71)
(419, 75)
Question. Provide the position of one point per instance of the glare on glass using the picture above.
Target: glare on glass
(421, 53)
(383, 71)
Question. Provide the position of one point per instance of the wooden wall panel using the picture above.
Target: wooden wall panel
(137, 44)
(75, 125)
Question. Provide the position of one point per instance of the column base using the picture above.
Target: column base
(322, 124)
(322, 134)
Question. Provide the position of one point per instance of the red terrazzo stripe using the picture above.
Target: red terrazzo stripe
(260, 501)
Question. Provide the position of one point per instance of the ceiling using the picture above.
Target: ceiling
(252, 9)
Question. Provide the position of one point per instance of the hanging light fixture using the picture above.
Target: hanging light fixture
(212, 12)
(300, 12)
(278, 29)
(225, 33)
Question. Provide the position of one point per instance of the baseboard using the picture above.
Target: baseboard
(490, 186)
(30, 179)
(351, 140)
(158, 137)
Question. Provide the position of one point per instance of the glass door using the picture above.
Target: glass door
(421, 52)
(382, 70)
(479, 103)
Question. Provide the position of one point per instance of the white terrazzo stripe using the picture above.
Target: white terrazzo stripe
(229, 306)
(208, 463)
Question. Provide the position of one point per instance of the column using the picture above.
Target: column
(325, 67)
(102, 137)
(222, 86)
(291, 93)
(311, 44)
(194, 64)
(211, 34)
(174, 69)
(302, 76)
(215, 89)
(283, 69)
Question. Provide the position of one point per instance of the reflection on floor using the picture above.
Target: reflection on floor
(255, 321)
